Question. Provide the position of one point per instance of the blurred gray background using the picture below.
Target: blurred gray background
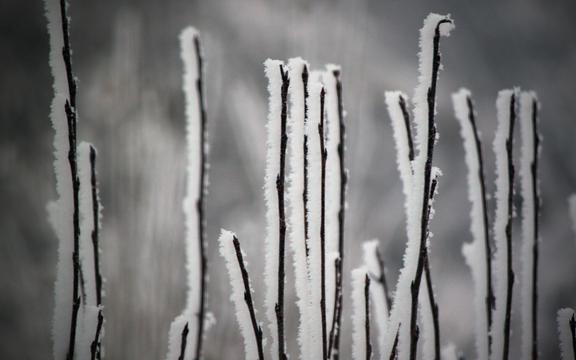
(126, 55)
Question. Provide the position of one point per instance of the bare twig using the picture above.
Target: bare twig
(367, 316)
(536, 196)
(382, 279)
(323, 228)
(248, 298)
(183, 341)
(573, 332)
(95, 349)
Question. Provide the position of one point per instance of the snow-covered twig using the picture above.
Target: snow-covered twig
(530, 223)
(478, 254)
(278, 83)
(504, 275)
(241, 294)
(298, 73)
(361, 346)
(193, 317)
(337, 199)
(567, 333)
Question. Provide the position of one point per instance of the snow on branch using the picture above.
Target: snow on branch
(478, 253)
(361, 346)
(298, 90)
(278, 83)
(567, 333)
(242, 295)
(410, 277)
(530, 222)
(506, 106)
(193, 317)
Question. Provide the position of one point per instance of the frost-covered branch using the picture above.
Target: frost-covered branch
(337, 179)
(242, 295)
(504, 275)
(567, 333)
(193, 317)
(478, 254)
(323, 226)
(530, 222)
(298, 73)
(361, 346)
(278, 83)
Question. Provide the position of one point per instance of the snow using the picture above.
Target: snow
(273, 73)
(377, 294)
(501, 220)
(474, 252)
(194, 133)
(359, 350)
(296, 223)
(564, 333)
(529, 235)
(401, 306)
(228, 252)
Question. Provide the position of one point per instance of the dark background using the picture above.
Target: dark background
(126, 55)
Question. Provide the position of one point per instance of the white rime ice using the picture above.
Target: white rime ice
(273, 73)
(501, 220)
(474, 252)
(333, 182)
(237, 297)
(529, 203)
(359, 350)
(377, 292)
(60, 211)
(565, 316)
(193, 193)
(314, 216)
(90, 307)
(296, 224)
(572, 205)
(400, 313)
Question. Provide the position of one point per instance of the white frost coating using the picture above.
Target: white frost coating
(358, 314)
(529, 235)
(88, 313)
(377, 292)
(273, 73)
(333, 181)
(475, 251)
(296, 204)
(228, 252)
(564, 333)
(400, 140)
(500, 221)
(60, 211)
(449, 352)
(194, 171)
(402, 300)
(572, 205)
(314, 216)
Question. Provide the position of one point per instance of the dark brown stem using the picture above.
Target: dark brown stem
(367, 317)
(490, 300)
(248, 298)
(305, 190)
(335, 331)
(394, 353)
(200, 202)
(337, 302)
(280, 182)
(406, 116)
(382, 280)
(95, 351)
(96, 230)
(536, 196)
(434, 307)
(510, 184)
(183, 341)
(431, 99)
(323, 228)
(573, 332)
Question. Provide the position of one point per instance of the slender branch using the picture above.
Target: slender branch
(536, 196)
(323, 228)
(248, 298)
(406, 116)
(510, 161)
(183, 341)
(394, 353)
(96, 230)
(305, 190)
(95, 352)
(573, 332)
(280, 182)
(431, 98)
(490, 300)
(335, 331)
(200, 202)
(367, 316)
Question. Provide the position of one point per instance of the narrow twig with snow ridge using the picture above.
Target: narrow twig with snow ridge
(361, 346)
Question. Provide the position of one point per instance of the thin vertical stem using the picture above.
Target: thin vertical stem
(536, 196)
(323, 228)
(367, 317)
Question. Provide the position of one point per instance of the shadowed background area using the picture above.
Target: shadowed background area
(126, 55)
